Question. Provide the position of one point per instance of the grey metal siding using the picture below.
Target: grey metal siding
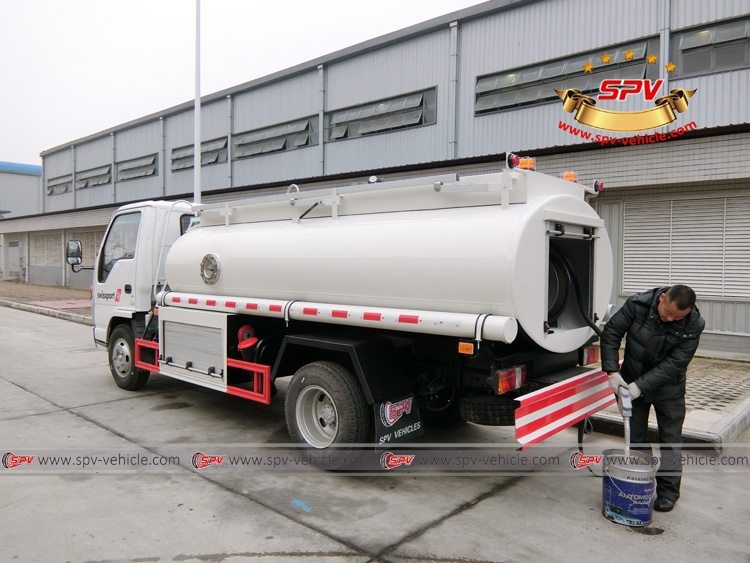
(293, 98)
(423, 144)
(138, 141)
(283, 166)
(58, 164)
(98, 195)
(722, 99)
(214, 120)
(20, 194)
(687, 13)
(93, 154)
(417, 64)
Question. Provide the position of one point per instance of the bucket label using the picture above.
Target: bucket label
(628, 501)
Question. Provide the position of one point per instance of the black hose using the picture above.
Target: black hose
(579, 296)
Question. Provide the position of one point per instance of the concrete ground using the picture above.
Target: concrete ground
(57, 394)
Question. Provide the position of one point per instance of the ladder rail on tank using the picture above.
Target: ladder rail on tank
(415, 194)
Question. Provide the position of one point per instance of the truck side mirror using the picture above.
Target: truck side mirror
(74, 253)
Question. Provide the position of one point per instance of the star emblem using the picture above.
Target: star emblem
(670, 67)
(629, 55)
(588, 67)
(652, 59)
(605, 58)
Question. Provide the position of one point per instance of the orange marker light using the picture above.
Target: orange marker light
(466, 348)
(570, 176)
(527, 163)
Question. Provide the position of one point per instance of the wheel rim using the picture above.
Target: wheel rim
(317, 417)
(121, 357)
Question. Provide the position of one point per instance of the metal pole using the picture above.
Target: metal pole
(197, 134)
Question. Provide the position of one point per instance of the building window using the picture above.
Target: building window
(284, 137)
(138, 168)
(711, 49)
(60, 185)
(94, 177)
(537, 84)
(410, 110)
(212, 152)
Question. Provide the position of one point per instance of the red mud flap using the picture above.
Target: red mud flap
(555, 408)
(151, 353)
(261, 381)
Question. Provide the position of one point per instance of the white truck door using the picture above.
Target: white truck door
(115, 275)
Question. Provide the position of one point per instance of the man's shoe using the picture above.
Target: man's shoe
(663, 504)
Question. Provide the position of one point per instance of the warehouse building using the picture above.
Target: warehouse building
(20, 196)
(454, 94)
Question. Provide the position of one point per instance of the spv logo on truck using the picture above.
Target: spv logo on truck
(390, 413)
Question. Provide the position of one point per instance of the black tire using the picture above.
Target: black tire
(441, 409)
(325, 405)
(121, 356)
(495, 410)
(489, 410)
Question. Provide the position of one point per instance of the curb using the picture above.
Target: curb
(81, 319)
(719, 436)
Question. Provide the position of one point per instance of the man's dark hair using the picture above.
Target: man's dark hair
(682, 296)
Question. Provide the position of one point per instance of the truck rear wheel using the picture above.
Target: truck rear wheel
(121, 354)
(325, 405)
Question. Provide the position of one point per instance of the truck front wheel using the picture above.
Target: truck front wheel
(121, 353)
(325, 405)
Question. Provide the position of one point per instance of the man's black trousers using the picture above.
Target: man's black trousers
(669, 418)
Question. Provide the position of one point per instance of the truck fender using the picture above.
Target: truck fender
(385, 386)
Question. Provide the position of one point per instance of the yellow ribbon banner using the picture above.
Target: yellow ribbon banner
(662, 114)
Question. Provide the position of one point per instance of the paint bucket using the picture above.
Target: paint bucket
(629, 487)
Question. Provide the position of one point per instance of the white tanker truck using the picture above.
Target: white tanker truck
(434, 300)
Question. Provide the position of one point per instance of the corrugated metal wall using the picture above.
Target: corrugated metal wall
(687, 13)
(529, 33)
(419, 64)
(20, 194)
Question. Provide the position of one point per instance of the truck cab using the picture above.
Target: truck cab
(129, 271)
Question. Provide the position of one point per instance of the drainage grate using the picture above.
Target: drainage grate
(715, 385)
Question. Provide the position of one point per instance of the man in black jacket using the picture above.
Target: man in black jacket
(663, 327)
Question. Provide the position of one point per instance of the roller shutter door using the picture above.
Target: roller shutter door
(700, 242)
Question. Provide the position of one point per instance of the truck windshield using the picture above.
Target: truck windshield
(120, 243)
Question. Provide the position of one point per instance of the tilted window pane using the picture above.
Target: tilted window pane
(694, 39)
(730, 32)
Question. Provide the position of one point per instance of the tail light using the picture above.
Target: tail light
(510, 379)
(589, 355)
